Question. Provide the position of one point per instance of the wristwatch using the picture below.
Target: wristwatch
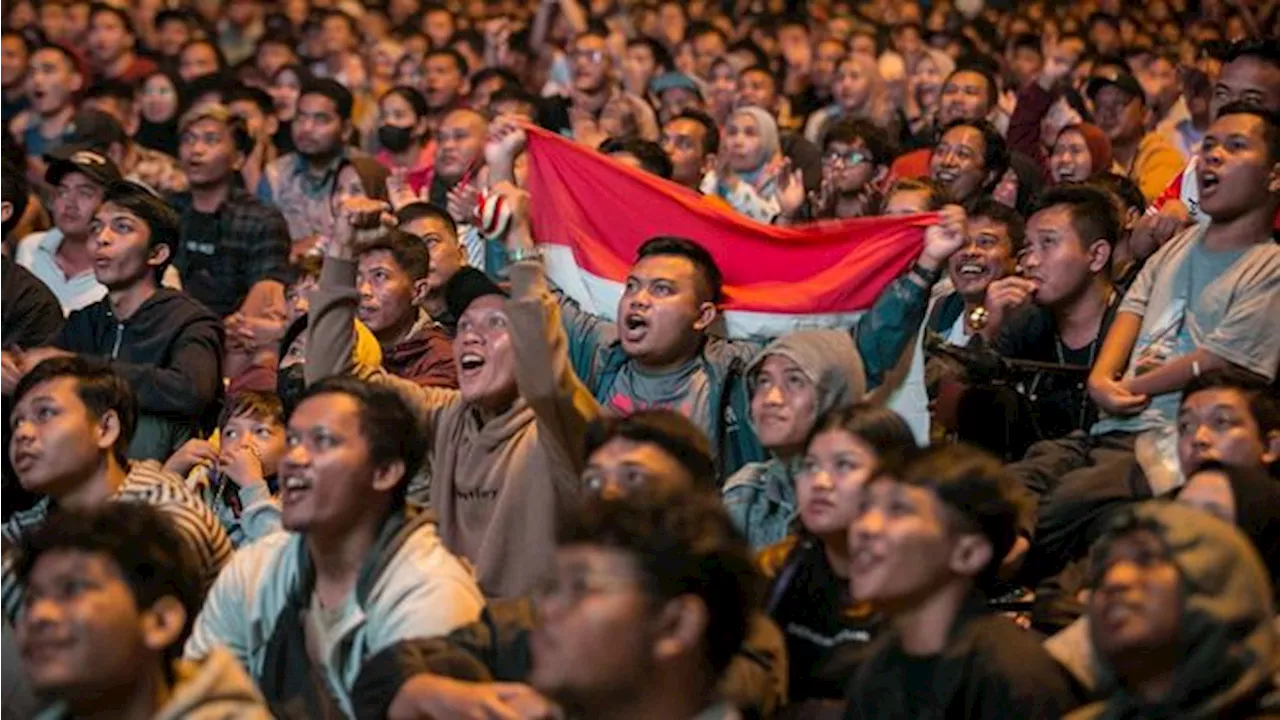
(977, 319)
(929, 277)
(522, 254)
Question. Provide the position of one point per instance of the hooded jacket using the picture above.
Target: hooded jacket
(497, 485)
(216, 688)
(409, 587)
(761, 496)
(424, 355)
(1227, 646)
(170, 351)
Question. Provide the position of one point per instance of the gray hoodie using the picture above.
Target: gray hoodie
(1228, 649)
(761, 496)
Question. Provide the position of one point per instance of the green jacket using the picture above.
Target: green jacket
(881, 334)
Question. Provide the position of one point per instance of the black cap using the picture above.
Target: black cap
(90, 163)
(95, 130)
(465, 287)
(1122, 80)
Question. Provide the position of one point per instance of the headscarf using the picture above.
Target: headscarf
(373, 175)
(770, 145)
(1099, 145)
(828, 358)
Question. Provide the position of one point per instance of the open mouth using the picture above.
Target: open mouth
(634, 327)
(23, 461)
(945, 176)
(1209, 180)
(294, 488)
(863, 561)
(969, 270)
(470, 363)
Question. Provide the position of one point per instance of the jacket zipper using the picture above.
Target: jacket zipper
(115, 349)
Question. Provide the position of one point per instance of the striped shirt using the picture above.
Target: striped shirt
(146, 483)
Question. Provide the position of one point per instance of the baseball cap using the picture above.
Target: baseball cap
(1120, 79)
(465, 287)
(94, 129)
(672, 81)
(86, 161)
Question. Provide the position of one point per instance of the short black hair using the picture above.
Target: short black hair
(215, 83)
(650, 154)
(415, 211)
(1270, 124)
(674, 433)
(874, 137)
(486, 74)
(239, 92)
(217, 51)
(1123, 188)
(98, 386)
(514, 93)
(1093, 214)
(469, 37)
(409, 252)
(995, 153)
(711, 135)
(153, 557)
(1261, 393)
(879, 427)
(332, 89)
(977, 491)
(113, 89)
(763, 70)
(759, 58)
(17, 192)
(161, 219)
(992, 209)
(661, 56)
(683, 544)
(98, 8)
(411, 96)
(66, 54)
(168, 15)
(1264, 49)
(712, 279)
(389, 427)
(1027, 41)
(972, 65)
(698, 29)
(461, 62)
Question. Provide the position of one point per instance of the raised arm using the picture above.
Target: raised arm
(562, 404)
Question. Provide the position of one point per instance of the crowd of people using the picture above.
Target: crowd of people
(297, 428)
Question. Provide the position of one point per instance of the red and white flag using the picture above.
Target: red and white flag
(591, 214)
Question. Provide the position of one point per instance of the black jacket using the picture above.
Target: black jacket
(31, 313)
(170, 351)
(990, 668)
(496, 648)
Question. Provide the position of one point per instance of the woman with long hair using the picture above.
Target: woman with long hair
(858, 91)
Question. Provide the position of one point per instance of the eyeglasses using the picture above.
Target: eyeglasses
(853, 157)
(595, 57)
(576, 588)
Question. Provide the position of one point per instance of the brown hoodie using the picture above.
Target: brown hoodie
(497, 486)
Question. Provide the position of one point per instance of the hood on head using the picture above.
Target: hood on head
(828, 358)
(1228, 648)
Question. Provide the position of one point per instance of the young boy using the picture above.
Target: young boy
(236, 476)
(925, 542)
(112, 595)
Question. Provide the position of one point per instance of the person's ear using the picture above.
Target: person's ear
(707, 313)
(389, 476)
(6, 210)
(681, 624)
(158, 255)
(1099, 255)
(1273, 179)
(163, 623)
(420, 290)
(1271, 447)
(108, 430)
(970, 555)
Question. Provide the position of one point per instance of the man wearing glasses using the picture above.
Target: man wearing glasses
(855, 163)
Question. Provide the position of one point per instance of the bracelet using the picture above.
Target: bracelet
(1195, 368)
(928, 276)
(522, 254)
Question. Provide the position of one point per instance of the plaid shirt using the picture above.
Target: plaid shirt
(304, 198)
(147, 483)
(251, 245)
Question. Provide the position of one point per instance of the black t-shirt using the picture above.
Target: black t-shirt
(825, 633)
(1061, 402)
